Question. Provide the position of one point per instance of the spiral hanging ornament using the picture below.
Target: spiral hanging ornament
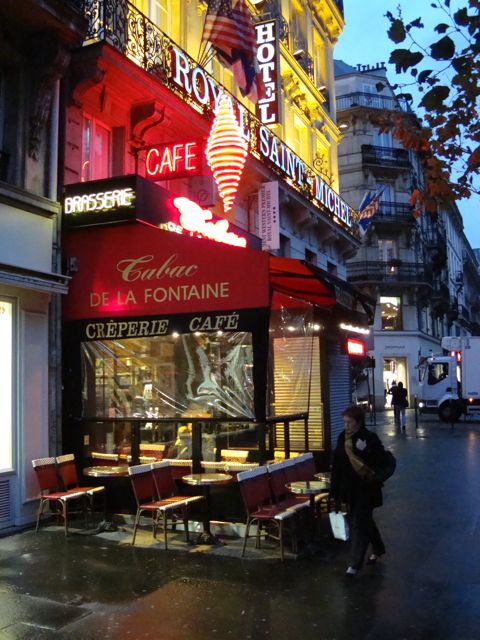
(226, 152)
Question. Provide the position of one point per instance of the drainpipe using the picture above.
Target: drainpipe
(55, 303)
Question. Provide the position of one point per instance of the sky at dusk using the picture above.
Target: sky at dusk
(365, 41)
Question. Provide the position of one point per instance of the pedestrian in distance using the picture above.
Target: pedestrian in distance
(355, 484)
(399, 404)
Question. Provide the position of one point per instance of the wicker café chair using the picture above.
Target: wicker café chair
(67, 470)
(46, 474)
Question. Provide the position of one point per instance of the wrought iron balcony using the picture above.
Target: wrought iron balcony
(394, 213)
(372, 101)
(385, 156)
(393, 272)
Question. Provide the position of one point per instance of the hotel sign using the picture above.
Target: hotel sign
(268, 108)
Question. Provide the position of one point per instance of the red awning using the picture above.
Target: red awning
(304, 281)
(296, 279)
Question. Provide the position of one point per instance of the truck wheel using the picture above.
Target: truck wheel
(450, 411)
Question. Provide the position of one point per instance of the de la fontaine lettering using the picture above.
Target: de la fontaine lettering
(144, 270)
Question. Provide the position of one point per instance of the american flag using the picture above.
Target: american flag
(229, 29)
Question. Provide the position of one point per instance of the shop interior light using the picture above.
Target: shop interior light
(219, 333)
(175, 334)
(316, 327)
(226, 152)
(197, 333)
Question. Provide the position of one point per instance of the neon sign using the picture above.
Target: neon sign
(100, 201)
(226, 152)
(355, 347)
(268, 108)
(199, 222)
(178, 160)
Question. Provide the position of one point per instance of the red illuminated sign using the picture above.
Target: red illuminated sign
(355, 347)
(199, 222)
(173, 160)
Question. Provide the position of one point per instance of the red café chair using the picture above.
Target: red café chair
(278, 483)
(171, 504)
(46, 474)
(67, 470)
(304, 469)
(305, 466)
(257, 499)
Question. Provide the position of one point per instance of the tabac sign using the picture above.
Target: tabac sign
(135, 270)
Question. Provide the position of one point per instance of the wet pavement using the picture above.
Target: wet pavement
(427, 586)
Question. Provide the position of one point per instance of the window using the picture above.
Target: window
(387, 250)
(96, 151)
(6, 383)
(383, 139)
(284, 246)
(310, 256)
(391, 312)
(331, 268)
(301, 137)
(159, 12)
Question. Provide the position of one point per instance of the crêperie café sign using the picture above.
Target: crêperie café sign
(130, 198)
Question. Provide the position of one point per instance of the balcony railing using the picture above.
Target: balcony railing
(385, 156)
(372, 101)
(394, 272)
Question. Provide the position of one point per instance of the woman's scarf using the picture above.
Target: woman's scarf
(357, 463)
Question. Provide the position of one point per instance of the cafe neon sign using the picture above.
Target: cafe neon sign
(173, 160)
(199, 222)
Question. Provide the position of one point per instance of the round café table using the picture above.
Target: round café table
(309, 488)
(206, 481)
(106, 472)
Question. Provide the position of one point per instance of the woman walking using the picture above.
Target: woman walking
(358, 454)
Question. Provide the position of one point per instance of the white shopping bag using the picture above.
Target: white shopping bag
(339, 524)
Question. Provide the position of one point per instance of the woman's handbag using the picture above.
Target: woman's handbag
(339, 524)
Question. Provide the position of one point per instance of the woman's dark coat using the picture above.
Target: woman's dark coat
(346, 485)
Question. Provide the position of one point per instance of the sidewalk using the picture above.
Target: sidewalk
(427, 586)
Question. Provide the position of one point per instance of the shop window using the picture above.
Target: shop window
(6, 384)
(4, 155)
(96, 150)
(391, 311)
(199, 374)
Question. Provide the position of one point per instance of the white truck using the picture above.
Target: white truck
(450, 384)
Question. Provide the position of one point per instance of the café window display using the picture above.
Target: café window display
(196, 375)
